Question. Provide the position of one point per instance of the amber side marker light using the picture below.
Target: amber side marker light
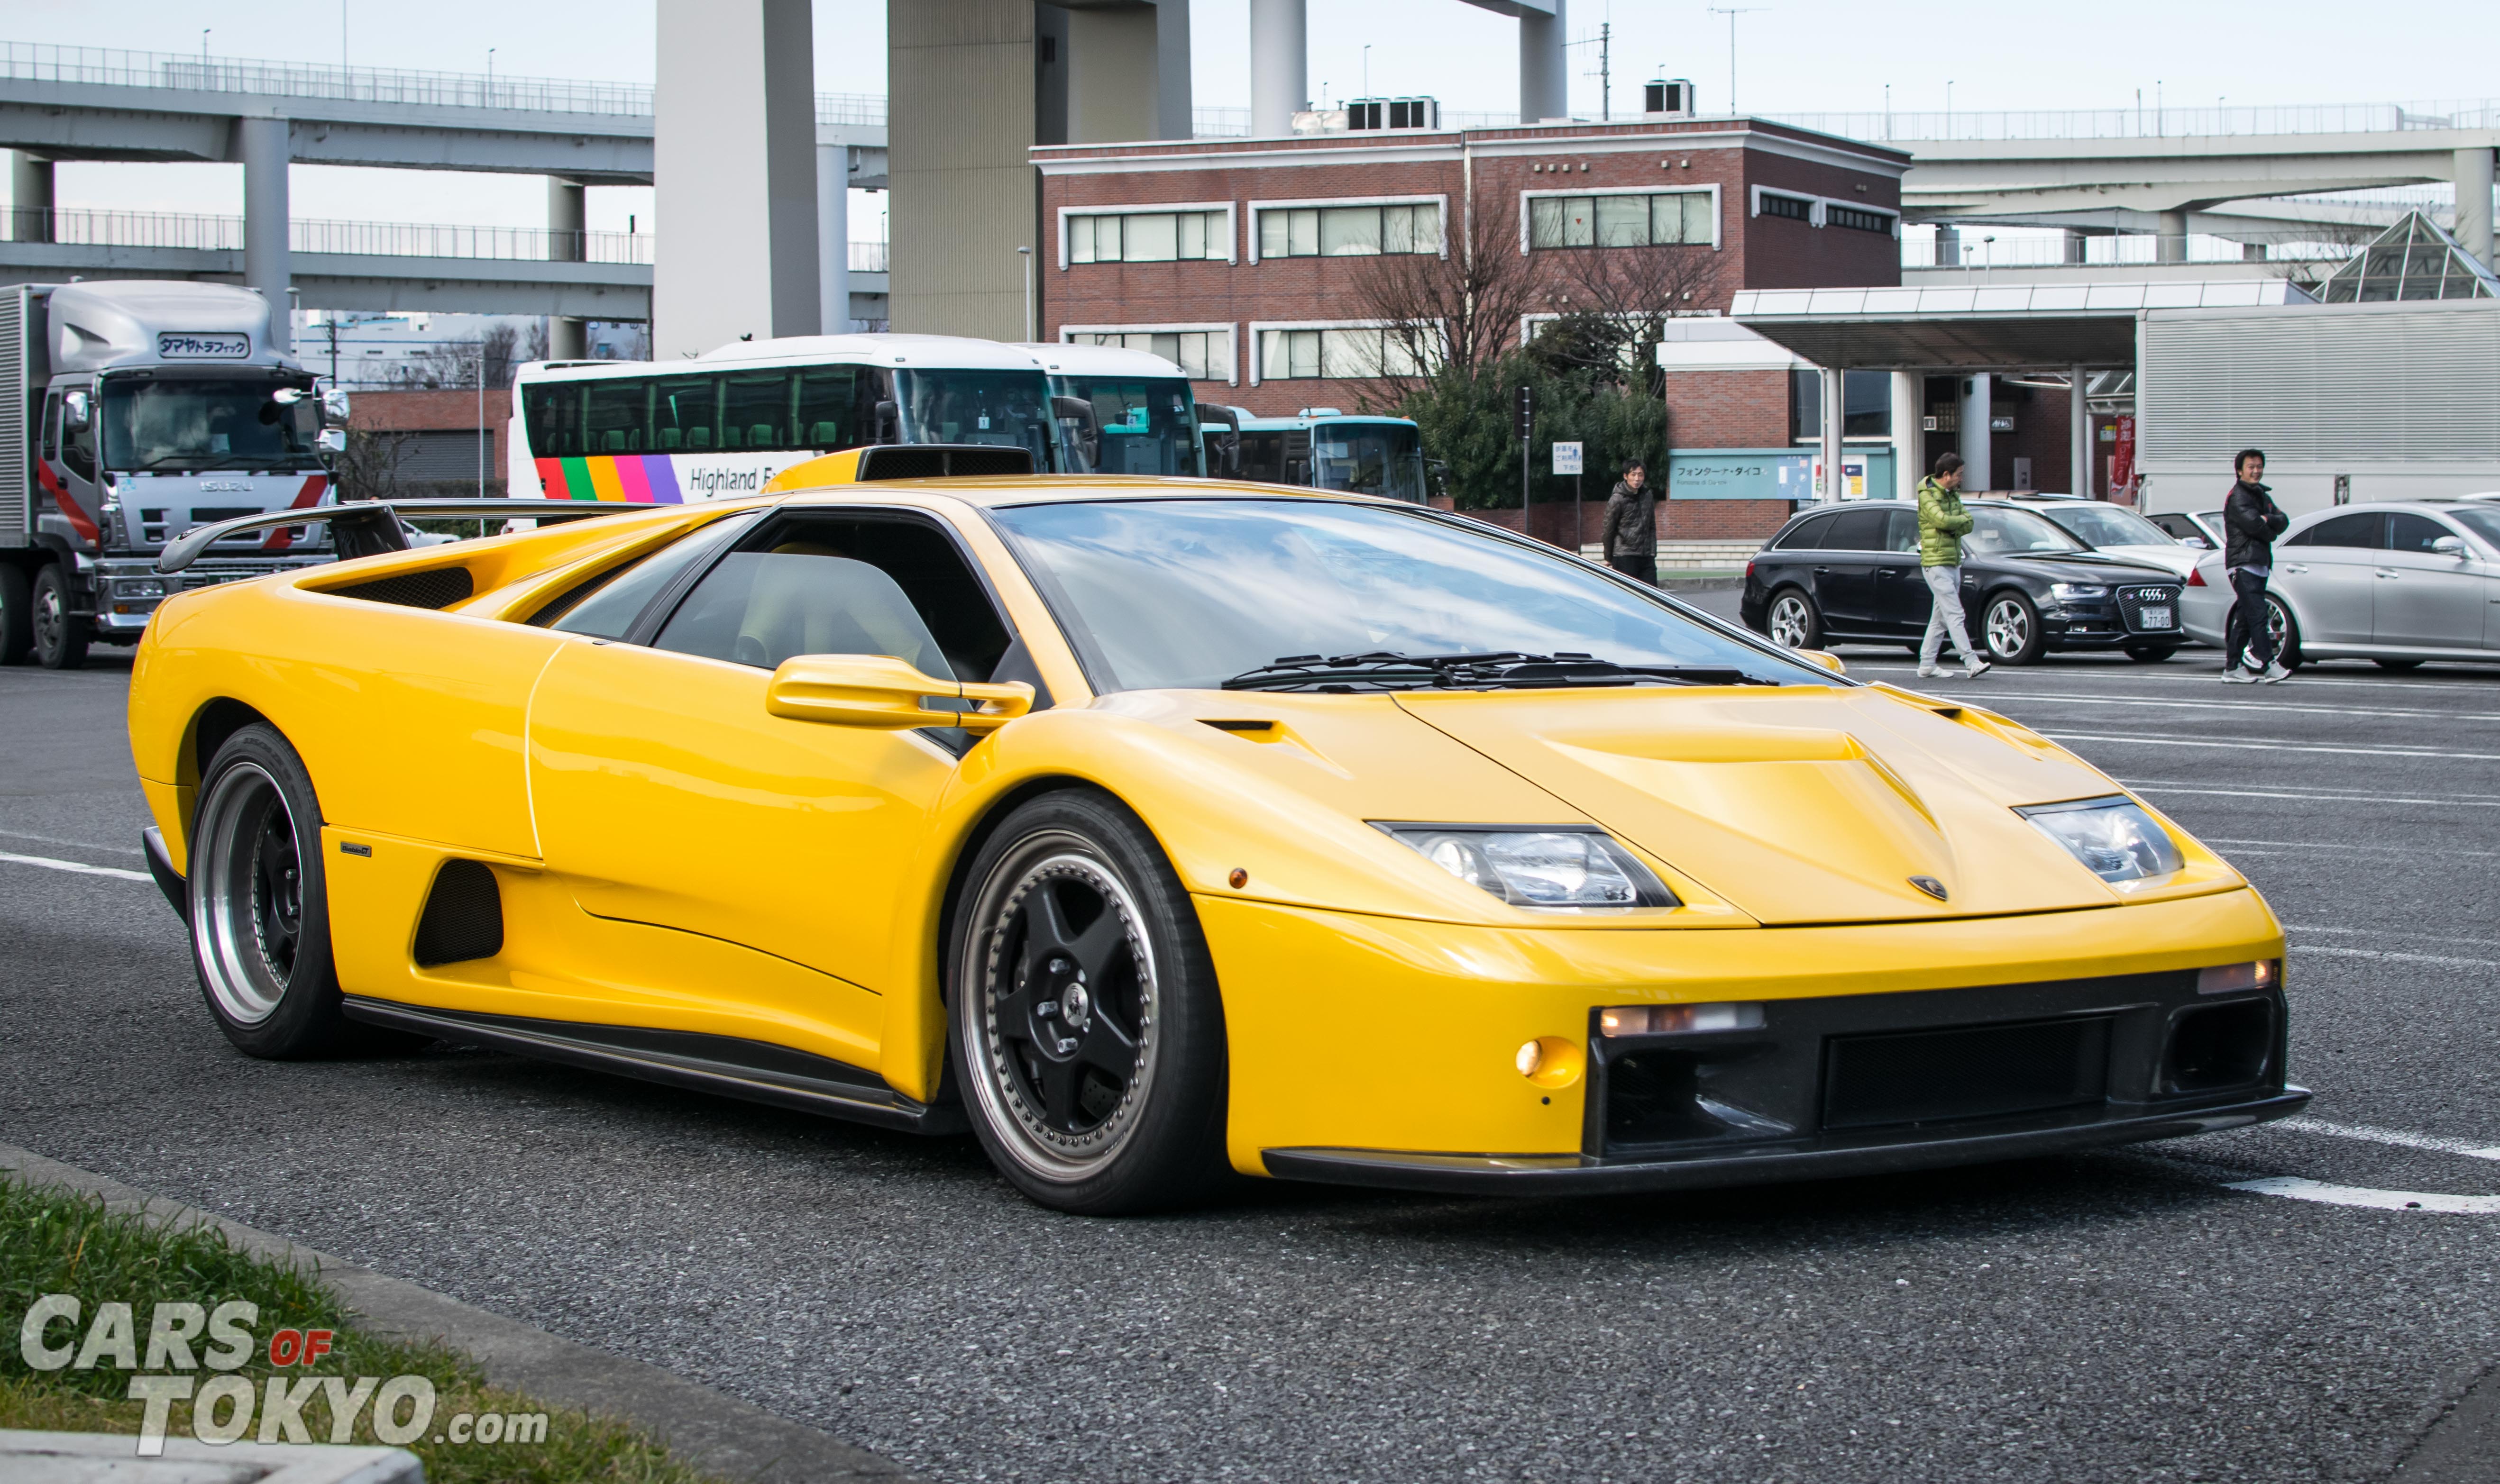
(2230, 978)
(1679, 1019)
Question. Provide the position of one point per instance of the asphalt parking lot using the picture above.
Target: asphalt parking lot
(2116, 1316)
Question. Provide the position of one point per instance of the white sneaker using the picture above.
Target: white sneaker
(1972, 669)
(2233, 675)
(1928, 671)
(2275, 674)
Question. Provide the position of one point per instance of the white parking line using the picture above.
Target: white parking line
(2444, 682)
(2345, 952)
(2270, 745)
(2317, 795)
(2331, 844)
(109, 849)
(2238, 705)
(2298, 1189)
(2391, 1136)
(73, 867)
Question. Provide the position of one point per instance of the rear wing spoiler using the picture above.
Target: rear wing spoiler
(368, 527)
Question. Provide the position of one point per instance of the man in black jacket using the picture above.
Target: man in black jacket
(2251, 521)
(1630, 535)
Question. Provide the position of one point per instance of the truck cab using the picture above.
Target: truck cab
(1323, 448)
(142, 409)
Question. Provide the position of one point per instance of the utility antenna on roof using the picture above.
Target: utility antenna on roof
(1732, 11)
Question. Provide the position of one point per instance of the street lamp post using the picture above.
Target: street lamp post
(1031, 331)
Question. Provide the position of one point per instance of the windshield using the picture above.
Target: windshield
(1140, 425)
(1007, 407)
(1369, 459)
(1189, 593)
(1997, 532)
(2099, 525)
(2483, 522)
(191, 424)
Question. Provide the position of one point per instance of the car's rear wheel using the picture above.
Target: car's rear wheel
(61, 637)
(2010, 629)
(1794, 621)
(2285, 630)
(260, 905)
(1088, 1031)
(2151, 654)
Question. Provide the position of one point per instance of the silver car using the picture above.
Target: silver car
(2398, 583)
(2200, 528)
(2118, 530)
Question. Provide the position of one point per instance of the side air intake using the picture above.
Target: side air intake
(436, 587)
(463, 917)
(937, 461)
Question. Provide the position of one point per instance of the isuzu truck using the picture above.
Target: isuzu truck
(130, 412)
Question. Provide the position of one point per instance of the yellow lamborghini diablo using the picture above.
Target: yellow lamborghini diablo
(1153, 827)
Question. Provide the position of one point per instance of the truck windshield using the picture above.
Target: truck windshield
(189, 423)
(1385, 458)
(1008, 408)
(1140, 426)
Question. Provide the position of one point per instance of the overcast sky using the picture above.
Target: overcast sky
(1792, 56)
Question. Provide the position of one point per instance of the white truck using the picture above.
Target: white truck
(134, 411)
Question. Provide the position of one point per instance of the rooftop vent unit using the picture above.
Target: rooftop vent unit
(1392, 114)
(1667, 97)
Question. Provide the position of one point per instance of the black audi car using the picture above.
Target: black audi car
(1850, 574)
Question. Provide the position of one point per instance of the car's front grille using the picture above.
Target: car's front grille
(1966, 1072)
(2148, 610)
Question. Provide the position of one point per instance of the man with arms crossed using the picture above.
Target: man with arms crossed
(1942, 524)
(2251, 521)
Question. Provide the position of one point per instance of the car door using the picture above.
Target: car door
(1902, 601)
(667, 796)
(2422, 598)
(1844, 571)
(2327, 572)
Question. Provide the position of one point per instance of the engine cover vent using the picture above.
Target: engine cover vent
(436, 587)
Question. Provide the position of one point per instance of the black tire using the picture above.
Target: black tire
(260, 907)
(61, 638)
(1791, 609)
(16, 615)
(2151, 654)
(2398, 664)
(1096, 1075)
(2286, 634)
(2009, 629)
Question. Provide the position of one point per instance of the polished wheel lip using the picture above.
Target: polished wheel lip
(1789, 622)
(230, 900)
(51, 620)
(2009, 627)
(1047, 1153)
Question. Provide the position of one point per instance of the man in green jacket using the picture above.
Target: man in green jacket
(1942, 524)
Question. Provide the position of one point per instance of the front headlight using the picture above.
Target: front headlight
(1553, 868)
(137, 587)
(2113, 838)
(2068, 592)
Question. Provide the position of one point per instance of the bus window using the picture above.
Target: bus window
(683, 413)
(980, 406)
(834, 407)
(755, 409)
(1262, 456)
(1144, 426)
(613, 415)
(552, 413)
(1370, 459)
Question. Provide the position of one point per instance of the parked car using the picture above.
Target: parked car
(1853, 575)
(2397, 583)
(2204, 528)
(2119, 531)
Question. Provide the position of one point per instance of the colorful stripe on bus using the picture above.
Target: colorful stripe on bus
(648, 477)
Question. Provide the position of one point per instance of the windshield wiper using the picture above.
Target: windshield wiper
(1501, 670)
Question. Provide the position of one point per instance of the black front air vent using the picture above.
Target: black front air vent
(1968, 1072)
(436, 587)
(463, 917)
(937, 461)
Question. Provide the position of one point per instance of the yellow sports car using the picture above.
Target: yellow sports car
(1153, 829)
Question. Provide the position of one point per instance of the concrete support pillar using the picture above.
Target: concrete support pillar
(1977, 450)
(2075, 241)
(1175, 108)
(1949, 247)
(1280, 49)
(2079, 436)
(834, 238)
(2172, 247)
(30, 198)
(1909, 435)
(1544, 77)
(1110, 53)
(1836, 413)
(734, 157)
(567, 241)
(2474, 203)
(261, 144)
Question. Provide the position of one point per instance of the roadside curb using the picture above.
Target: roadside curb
(707, 1427)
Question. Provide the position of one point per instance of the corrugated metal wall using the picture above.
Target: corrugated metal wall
(960, 74)
(17, 475)
(2353, 383)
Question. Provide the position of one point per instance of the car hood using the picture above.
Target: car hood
(1800, 804)
(2176, 560)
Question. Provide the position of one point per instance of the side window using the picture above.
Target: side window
(552, 411)
(2413, 533)
(755, 409)
(607, 605)
(2362, 528)
(1855, 530)
(1902, 531)
(684, 414)
(614, 413)
(1804, 536)
(833, 583)
(77, 444)
(832, 413)
(52, 425)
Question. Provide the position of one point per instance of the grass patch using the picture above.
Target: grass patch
(55, 1241)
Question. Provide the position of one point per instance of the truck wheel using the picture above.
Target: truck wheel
(16, 615)
(61, 637)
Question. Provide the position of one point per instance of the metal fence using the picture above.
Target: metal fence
(1979, 253)
(2154, 121)
(79, 227)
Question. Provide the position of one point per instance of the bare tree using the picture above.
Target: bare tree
(497, 353)
(370, 467)
(1617, 301)
(1457, 313)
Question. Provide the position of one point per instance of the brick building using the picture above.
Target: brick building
(1245, 260)
(425, 444)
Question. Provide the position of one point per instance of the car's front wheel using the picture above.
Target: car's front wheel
(2010, 629)
(1793, 623)
(1087, 1028)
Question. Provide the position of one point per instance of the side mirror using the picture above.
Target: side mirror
(287, 396)
(2449, 546)
(887, 695)
(1822, 657)
(334, 406)
(74, 409)
(331, 440)
(889, 423)
(2198, 542)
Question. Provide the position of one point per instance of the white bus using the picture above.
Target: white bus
(724, 423)
(1123, 411)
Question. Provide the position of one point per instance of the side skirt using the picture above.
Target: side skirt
(728, 1065)
(160, 865)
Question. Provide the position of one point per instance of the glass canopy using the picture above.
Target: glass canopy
(2414, 259)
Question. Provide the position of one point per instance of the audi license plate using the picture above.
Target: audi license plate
(2155, 617)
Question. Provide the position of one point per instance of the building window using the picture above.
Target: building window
(1794, 208)
(1620, 221)
(1203, 355)
(1349, 354)
(1866, 413)
(1148, 237)
(1848, 216)
(1349, 231)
